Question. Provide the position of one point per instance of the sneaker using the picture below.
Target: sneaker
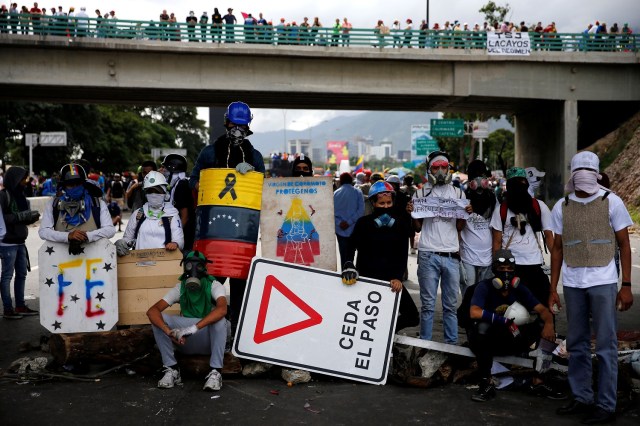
(214, 381)
(11, 314)
(413, 251)
(170, 379)
(546, 391)
(25, 311)
(486, 392)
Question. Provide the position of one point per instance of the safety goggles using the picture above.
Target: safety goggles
(440, 164)
(479, 183)
(503, 260)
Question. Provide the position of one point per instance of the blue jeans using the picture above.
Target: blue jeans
(14, 258)
(600, 301)
(434, 269)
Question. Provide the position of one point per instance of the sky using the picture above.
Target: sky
(570, 16)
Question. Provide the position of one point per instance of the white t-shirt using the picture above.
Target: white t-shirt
(439, 233)
(476, 241)
(592, 276)
(173, 296)
(525, 248)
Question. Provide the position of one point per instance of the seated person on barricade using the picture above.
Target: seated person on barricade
(499, 323)
(381, 241)
(79, 215)
(156, 224)
(200, 329)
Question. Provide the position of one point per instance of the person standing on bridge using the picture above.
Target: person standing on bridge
(229, 31)
(231, 150)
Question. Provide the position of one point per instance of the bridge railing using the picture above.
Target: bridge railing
(74, 27)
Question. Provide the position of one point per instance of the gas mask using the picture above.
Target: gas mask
(237, 134)
(442, 175)
(194, 270)
(479, 184)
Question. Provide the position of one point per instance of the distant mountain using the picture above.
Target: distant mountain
(378, 125)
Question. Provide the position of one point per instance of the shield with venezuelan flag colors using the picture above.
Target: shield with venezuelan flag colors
(227, 220)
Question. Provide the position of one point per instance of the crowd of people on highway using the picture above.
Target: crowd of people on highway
(248, 28)
(482, 246)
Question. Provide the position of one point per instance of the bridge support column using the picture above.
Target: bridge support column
(547, 140)
(216, 122)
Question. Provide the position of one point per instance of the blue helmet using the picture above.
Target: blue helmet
(380, 187)
(238, 113)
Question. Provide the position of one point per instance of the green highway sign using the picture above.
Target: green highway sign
(425, 145)
(447, 128)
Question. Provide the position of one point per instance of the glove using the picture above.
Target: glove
(179, 333)
(28, 216)
(122, 247)
(349, 274)
(243, 168)
(75, 247)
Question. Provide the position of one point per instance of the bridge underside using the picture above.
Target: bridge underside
(268, 99)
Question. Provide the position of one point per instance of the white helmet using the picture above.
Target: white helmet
(154, 178)
(519, 314)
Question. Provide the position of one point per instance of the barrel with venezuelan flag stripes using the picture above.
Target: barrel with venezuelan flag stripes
(227, 220)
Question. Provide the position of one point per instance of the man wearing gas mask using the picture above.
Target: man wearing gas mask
(517, 225)
(200, 329)
(233, 149)
(496, 315)
(79, 216)
(475, 237)
(438, 251)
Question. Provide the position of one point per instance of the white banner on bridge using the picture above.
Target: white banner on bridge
(440, 207)
(513, 44)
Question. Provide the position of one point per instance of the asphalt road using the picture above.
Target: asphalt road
(122, 399)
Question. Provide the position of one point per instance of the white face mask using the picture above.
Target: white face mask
(156, 201)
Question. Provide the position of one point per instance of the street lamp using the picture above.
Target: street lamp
(428, 15)
(284, 119)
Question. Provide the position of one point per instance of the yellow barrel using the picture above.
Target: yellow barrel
(227, 187)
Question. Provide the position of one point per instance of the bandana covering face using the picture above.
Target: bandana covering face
(156, 201)
(237, 134)
(71, 202)
(196, 304)
(583, 180)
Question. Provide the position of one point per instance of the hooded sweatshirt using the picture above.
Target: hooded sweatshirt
(13, 201)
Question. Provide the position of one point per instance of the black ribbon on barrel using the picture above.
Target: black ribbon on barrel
(230, 181)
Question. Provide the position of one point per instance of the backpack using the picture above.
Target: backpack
(166, 224)
(95, 210)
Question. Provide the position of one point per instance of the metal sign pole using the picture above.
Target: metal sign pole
(480, 149)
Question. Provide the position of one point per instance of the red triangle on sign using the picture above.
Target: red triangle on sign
(260, 336)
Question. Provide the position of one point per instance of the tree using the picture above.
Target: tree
(494, 13)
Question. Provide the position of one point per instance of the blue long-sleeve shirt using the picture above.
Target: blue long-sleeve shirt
(348, 206)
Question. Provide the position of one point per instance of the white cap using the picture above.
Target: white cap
(585, 160)
(534, 174)
(393, 179)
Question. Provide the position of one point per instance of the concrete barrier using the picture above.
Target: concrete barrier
(38, 203)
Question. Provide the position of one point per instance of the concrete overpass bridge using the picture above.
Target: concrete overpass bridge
(558, 98)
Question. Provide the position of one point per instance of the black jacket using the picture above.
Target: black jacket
(12, 201)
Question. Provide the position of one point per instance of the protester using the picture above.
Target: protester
(135, 192)
(231, 150)
(497, 327)
(588, 224)
(517, 225)
(156, 224)
(386, 228)
(301, 166)
(79, 216)
(174, 168)
(14, 220)
(348, 207)
(201, 327)
(438, 251)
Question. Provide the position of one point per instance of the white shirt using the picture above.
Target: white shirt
(48, 233)
(439, 233)
(592, 276)
(475, 248)
(527, 248)
(173, 296)
(151, 233)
